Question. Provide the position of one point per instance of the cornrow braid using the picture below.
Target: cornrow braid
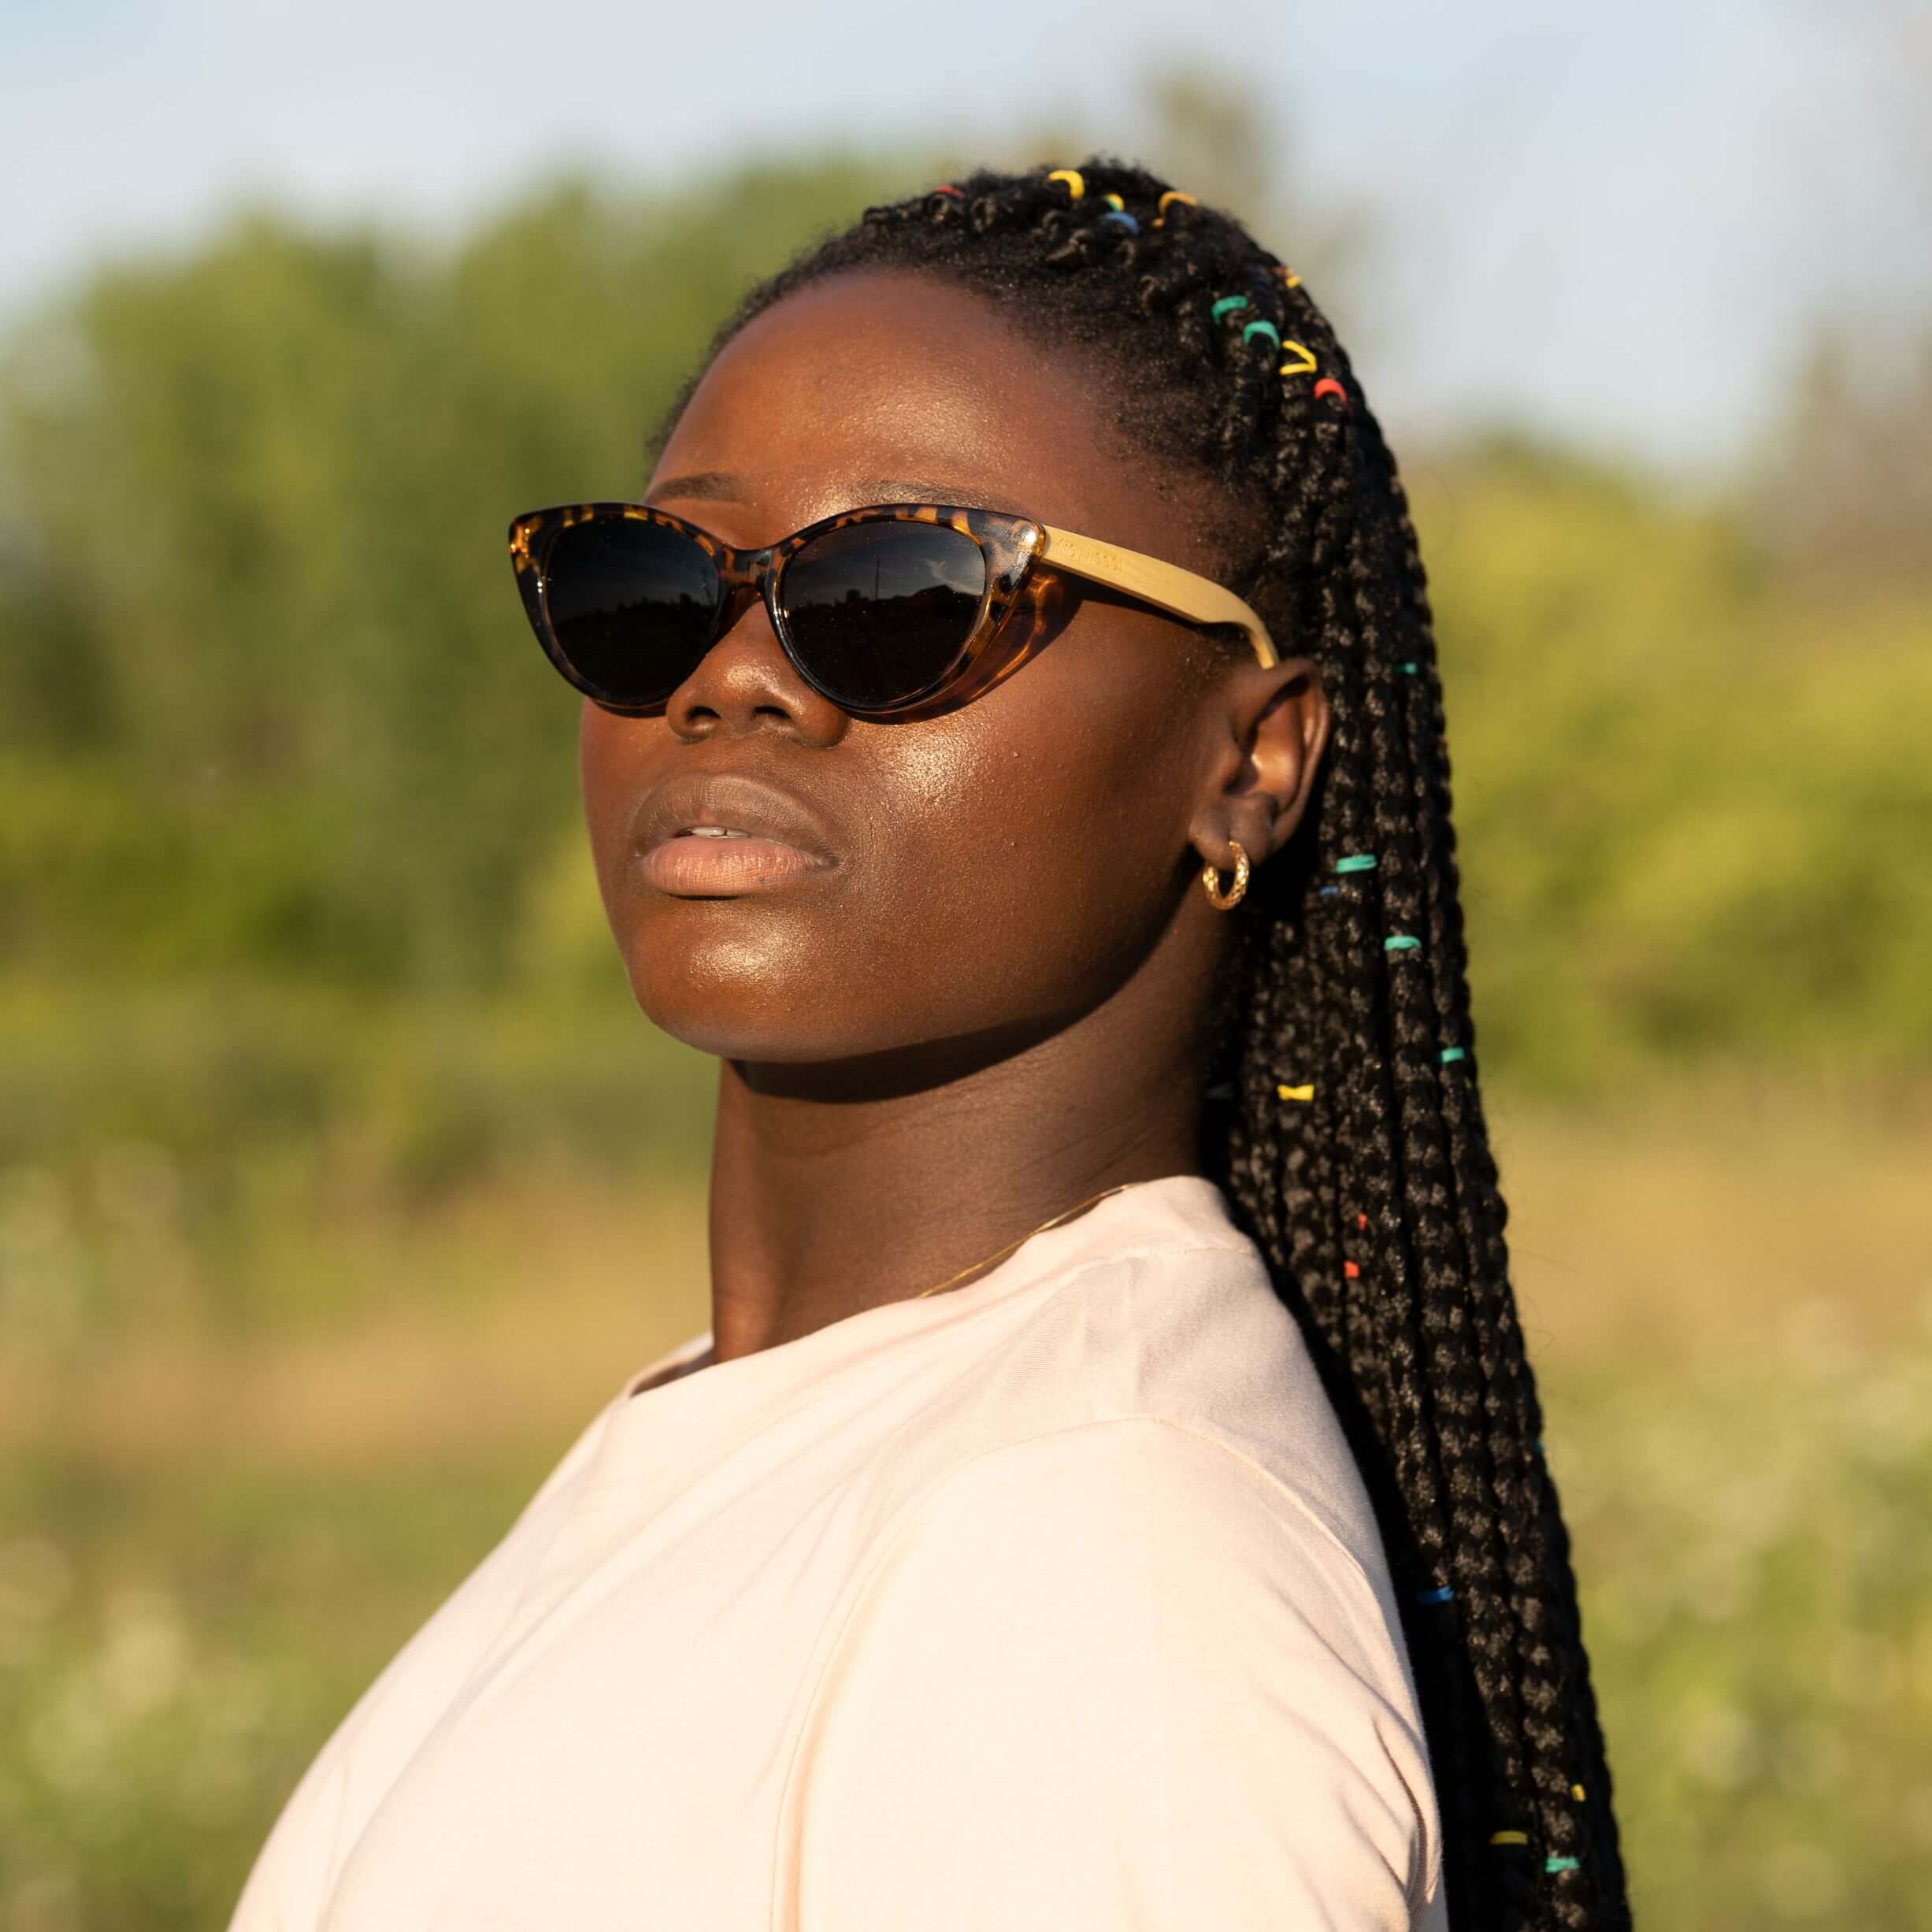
(1374, 1200)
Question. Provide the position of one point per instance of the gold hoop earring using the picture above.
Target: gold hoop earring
(1210, 881)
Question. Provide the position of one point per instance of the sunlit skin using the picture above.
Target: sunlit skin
(987, 1005)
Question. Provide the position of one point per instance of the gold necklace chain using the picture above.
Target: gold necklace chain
(953, 1281)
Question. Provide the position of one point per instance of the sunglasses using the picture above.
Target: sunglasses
(888, 611)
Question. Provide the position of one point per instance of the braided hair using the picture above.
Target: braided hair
(1344, 1120)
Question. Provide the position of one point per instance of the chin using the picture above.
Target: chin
(742, 996)
(865, 1031)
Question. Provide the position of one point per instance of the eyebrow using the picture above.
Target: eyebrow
(717, 486)
(722, 486)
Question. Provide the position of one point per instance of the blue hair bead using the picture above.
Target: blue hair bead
(1400, 942)
(1226, 304)
(1122, 219)
(1329, 892)
(1261, 328)
(1441, 1595)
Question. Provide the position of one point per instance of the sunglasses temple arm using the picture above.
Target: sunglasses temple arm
(1181, 593)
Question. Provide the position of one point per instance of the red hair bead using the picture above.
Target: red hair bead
(1350, 1271)
(1328, 386)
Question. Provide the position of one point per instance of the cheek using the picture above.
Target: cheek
(1037, 866)
(994, 874)
(614, 762)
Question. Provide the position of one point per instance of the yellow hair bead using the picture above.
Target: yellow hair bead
(1305, 367)
(1576, 1791)
(1075, 184)
(1114, 202)
(1289, 278)
(1172, 195)
(1509, 1838)
(1296, 1093)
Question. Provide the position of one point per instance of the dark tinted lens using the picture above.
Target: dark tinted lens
(632, 604)
(878, 610)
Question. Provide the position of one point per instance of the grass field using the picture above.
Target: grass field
(212, 1534)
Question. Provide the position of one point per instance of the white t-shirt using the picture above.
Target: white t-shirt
(1051, 1604)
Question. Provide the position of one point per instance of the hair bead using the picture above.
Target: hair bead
(1356, 861)
(1075, 182)
(1121, 218)
(1449, 1054)
(1306, 366)
(1408, 667)
(1509, 1838)
(1328, 891)
(946, 187)
(1172, 195)
(1114, 202)
(1351, 1271)
(1262, 327)
(1328, 386)
(1562, 1865)
(1296, 1093)
(1227, 304)
(1576, 1791)
(1400, 942)
(1441, 1595)
(1289, 278)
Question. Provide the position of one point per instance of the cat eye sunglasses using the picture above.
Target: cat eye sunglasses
(888, 611)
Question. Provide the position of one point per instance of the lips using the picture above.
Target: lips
(724, 837)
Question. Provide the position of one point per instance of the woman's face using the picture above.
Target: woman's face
(970, 881)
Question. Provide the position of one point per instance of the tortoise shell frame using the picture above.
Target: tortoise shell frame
(993, 649)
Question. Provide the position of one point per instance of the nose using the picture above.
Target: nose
(745, 683)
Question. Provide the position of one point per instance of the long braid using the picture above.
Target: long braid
(1374, 1200)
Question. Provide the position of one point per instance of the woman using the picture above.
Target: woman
(1109, 1493)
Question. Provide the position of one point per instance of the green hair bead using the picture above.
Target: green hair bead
(1400, 942)
(1226, 304)
(1261, 328)
(1448, 1054)
(1356, 861)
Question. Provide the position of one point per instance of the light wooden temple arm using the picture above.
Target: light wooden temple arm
(1166, 586)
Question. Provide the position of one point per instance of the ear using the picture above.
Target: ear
(1267, 730)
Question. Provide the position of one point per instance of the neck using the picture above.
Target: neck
(838, 1188)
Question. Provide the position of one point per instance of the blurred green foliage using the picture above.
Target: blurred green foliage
(264, 700)
(170, 1660)
(1759, 1584)
(1692, 786)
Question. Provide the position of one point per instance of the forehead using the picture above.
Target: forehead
(874, 377)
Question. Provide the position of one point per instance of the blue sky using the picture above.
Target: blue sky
(1614, 224)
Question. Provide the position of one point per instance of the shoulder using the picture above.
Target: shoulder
(1176, 1358)
(1127, 1656)
(1139, 1515)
